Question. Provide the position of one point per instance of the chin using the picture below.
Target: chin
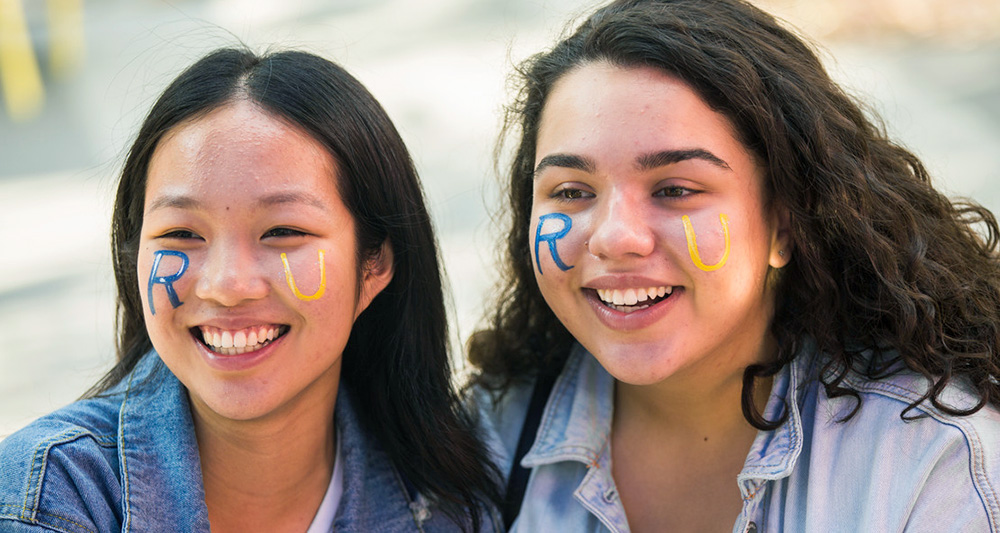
(637, 366)
(238, 406)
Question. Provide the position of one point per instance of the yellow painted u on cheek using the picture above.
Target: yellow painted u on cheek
(693, 244)
(291, 279)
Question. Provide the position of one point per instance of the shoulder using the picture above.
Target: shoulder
(501, 417)
(930, 465)
(61, 471)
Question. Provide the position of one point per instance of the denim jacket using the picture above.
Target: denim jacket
(874, 472)
(128, 461)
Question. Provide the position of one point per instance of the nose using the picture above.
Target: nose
(231, 275)
(622, 229)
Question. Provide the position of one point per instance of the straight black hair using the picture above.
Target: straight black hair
(396, 360)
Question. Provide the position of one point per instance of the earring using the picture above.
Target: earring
(781, 253)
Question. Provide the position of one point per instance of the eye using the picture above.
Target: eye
(673, 192)
(182, 234)
(570, 193)
(283, 232)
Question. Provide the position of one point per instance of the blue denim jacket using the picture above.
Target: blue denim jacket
(874, 472)
(129, 461)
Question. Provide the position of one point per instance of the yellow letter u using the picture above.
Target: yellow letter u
(693, 245)
(291, 279)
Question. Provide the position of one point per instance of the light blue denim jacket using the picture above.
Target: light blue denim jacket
(873, 473)
(129, 461)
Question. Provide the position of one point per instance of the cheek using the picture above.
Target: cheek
(164, 277)
(708, 240)
(305, 274)
(556, 241)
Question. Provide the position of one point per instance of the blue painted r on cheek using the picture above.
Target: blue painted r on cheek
(551, 238)
(166, 281)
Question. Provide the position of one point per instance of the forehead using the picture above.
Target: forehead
(634, 109)
(235, 150)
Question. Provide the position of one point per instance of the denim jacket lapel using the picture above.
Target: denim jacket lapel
(158, 451)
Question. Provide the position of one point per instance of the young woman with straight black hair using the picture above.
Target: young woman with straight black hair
(282, 360)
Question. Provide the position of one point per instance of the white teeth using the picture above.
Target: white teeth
(630, 297)
(617, 297)
(239, 342)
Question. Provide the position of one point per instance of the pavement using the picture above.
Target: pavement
(440, 70)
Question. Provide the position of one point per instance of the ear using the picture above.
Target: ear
(375, 276)
(781, 239)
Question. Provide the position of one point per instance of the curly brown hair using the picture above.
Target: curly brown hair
(888, 273)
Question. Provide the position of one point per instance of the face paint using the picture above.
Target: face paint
(291, 279)
(693, 245)
(551, 239)
(166, 281)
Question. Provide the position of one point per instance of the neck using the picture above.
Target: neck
(269, 474)
(697, 403)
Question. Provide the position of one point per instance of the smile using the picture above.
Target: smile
(235, 342)
(631, 300)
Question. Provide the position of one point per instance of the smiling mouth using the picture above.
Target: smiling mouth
(241, 341)
(632, 300)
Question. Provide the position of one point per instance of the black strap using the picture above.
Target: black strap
(517, 481)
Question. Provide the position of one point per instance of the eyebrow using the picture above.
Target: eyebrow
(643, 162)
(669, 157)
(574, 162)
(178, 201)
(292, 198)
(175, 201)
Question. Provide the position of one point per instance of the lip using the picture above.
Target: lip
(236, 362)
(635, 320)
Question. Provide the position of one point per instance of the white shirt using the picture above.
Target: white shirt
(323, 521)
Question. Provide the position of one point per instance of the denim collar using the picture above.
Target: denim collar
(576, 422)
(161, 468)
(158, 451)
(375, 497)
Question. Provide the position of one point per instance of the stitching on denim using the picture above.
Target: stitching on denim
(980, 476)
(594, 462)
(976, 457)
(559, 393)
(36, 521)
(126, 494)
(406, 498)
(594, 510)
(35, 485)
(759, 488)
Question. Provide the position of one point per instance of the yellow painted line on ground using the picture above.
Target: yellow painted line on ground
(19, 74)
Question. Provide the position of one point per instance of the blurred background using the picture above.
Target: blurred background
(76, 77)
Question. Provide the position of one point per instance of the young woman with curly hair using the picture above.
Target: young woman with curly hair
(731, 302)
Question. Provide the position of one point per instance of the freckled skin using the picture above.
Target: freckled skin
(625, 225)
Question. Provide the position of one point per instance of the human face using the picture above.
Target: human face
(626, 159)
(241, 207)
